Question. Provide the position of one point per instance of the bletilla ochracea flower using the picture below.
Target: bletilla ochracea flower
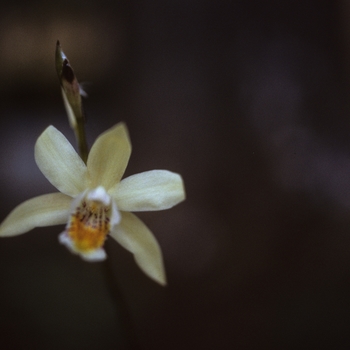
(95, 202)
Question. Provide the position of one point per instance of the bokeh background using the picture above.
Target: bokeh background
(249, 101)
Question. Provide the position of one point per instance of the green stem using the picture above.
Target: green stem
(126, 324)
(81, 139)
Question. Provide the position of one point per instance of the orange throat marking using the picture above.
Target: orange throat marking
(89, 226)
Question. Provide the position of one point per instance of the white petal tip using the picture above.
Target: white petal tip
(65, 240)
(92, 256)
(115, 215)
(99, 194)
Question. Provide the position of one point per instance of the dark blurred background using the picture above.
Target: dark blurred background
(249, 101)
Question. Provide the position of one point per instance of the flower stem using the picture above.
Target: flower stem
(81, 139)
(121, 309)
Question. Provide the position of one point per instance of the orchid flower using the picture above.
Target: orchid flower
(94, 202)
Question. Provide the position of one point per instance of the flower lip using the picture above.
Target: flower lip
(98, 254)
(93, 215)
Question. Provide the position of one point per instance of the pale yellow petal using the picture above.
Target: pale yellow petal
(46, 210)
(151, 190)
(60, 163)
(134, 236)
(109, 157)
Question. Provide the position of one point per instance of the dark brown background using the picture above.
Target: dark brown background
(249, 101)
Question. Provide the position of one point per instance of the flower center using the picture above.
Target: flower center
(93, 215)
